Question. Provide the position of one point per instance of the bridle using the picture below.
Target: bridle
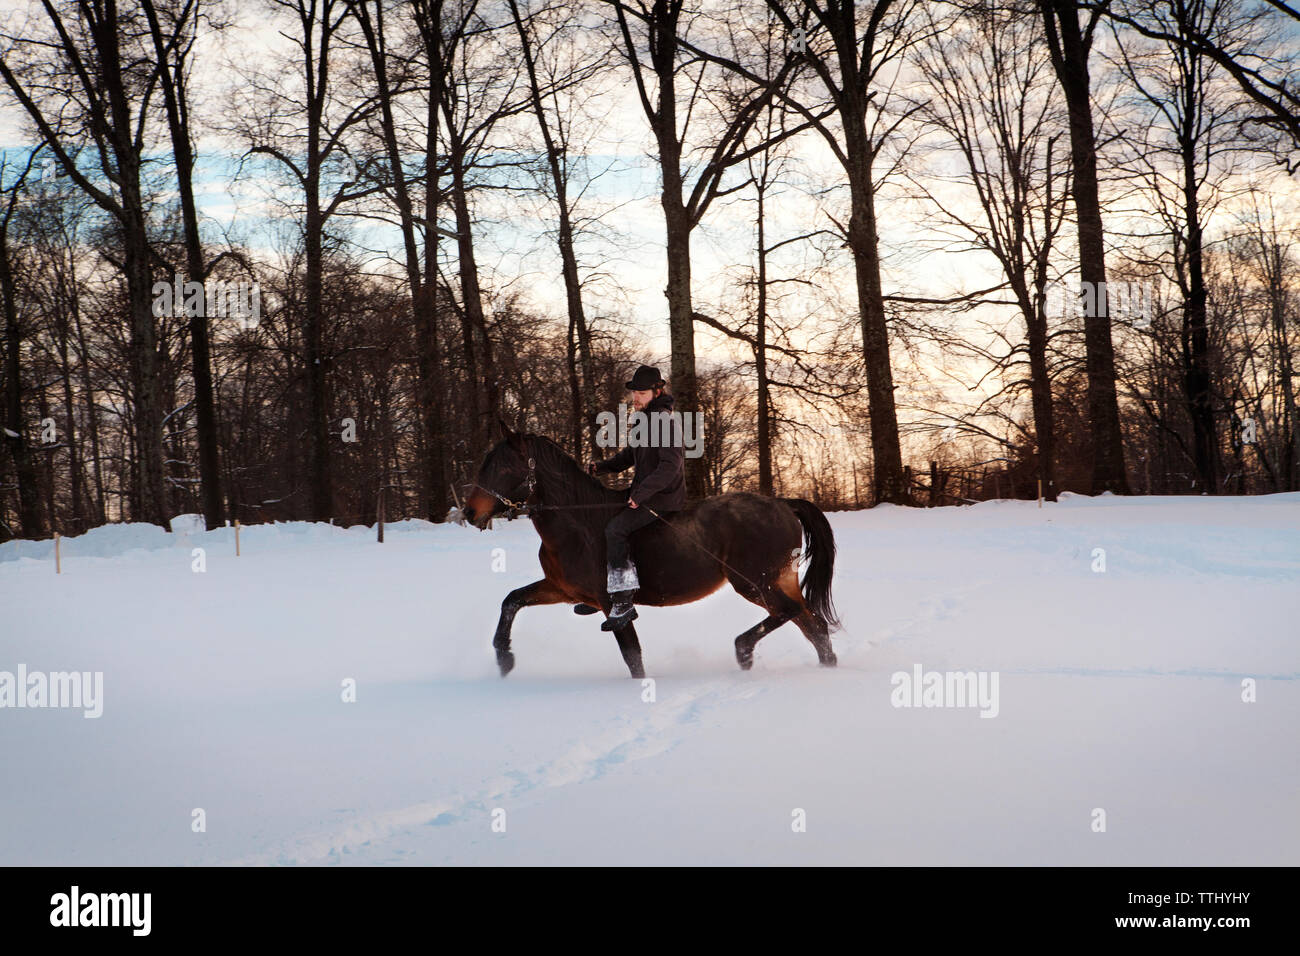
(527, 507)
(518, 507)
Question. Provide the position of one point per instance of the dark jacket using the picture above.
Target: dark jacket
(658, 481)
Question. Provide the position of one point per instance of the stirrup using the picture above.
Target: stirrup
(621, 615)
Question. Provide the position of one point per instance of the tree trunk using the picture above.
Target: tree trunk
(1040, 392)
(482, 376)
(135, 237)
(88, 391)
(319, 475)
(887, 472)
(177, 105)
(681, 326)
(75, 474)
(678, 225)
(318, 459)
(432, 479)
(1196, 337)
(888, 480)
(429, 350)
(1289, 476)
(575, 389)
(760, 354)
(1070, 61)
(30, 516)
(584, 398)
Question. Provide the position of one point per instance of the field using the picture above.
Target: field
(1156, 679)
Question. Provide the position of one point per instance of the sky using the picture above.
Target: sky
(623, 255)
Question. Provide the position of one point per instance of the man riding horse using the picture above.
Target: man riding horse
(751, 542)
(658, 487)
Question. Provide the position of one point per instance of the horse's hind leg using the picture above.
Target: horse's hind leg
(818, 634)
(813, 627)
(745, 643)
(631, 649)
(779, 606)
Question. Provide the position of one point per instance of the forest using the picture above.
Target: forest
(271, 260)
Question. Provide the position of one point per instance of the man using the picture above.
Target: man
(658, 483)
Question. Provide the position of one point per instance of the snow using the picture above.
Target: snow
(1119, 690)
(188, 524)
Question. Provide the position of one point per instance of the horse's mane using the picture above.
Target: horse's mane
(563, 481)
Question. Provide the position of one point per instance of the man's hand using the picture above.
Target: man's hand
(631, 503)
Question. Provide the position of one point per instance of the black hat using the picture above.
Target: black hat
(646, 378)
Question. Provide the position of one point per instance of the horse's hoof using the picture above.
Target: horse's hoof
(638, 673)
(746, 661)
(830, 661)
(506, 662)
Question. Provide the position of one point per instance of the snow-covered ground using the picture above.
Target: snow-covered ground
(1118, 690)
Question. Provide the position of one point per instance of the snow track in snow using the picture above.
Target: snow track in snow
(663, 725)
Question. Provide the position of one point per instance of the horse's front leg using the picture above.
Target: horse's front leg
(631, 649)
(539, 592)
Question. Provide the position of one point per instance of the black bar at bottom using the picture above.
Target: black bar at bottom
(336, 904)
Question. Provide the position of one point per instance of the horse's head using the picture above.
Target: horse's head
(502, 478)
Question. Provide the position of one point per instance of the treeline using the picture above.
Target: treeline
(976, 249)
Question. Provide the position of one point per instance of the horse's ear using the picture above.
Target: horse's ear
(516, 439)
(501, 429)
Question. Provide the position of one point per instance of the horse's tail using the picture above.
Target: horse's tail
(819, 544)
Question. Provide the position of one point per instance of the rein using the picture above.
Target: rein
(526, 508)
(695, 541)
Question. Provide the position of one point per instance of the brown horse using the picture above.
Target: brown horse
(749, 541)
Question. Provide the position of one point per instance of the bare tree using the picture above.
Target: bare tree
(659, 54)
(1254, 45)
(556, 134)
(422, 281)
(173, 34)
(301, 121)
(1267, 384)
(1069, 43)
(105, 101)
(1184, 151)
(992, 105)
(29, 510)
(855, 52)
(478, 91)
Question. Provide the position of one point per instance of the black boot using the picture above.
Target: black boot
(622, 613)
